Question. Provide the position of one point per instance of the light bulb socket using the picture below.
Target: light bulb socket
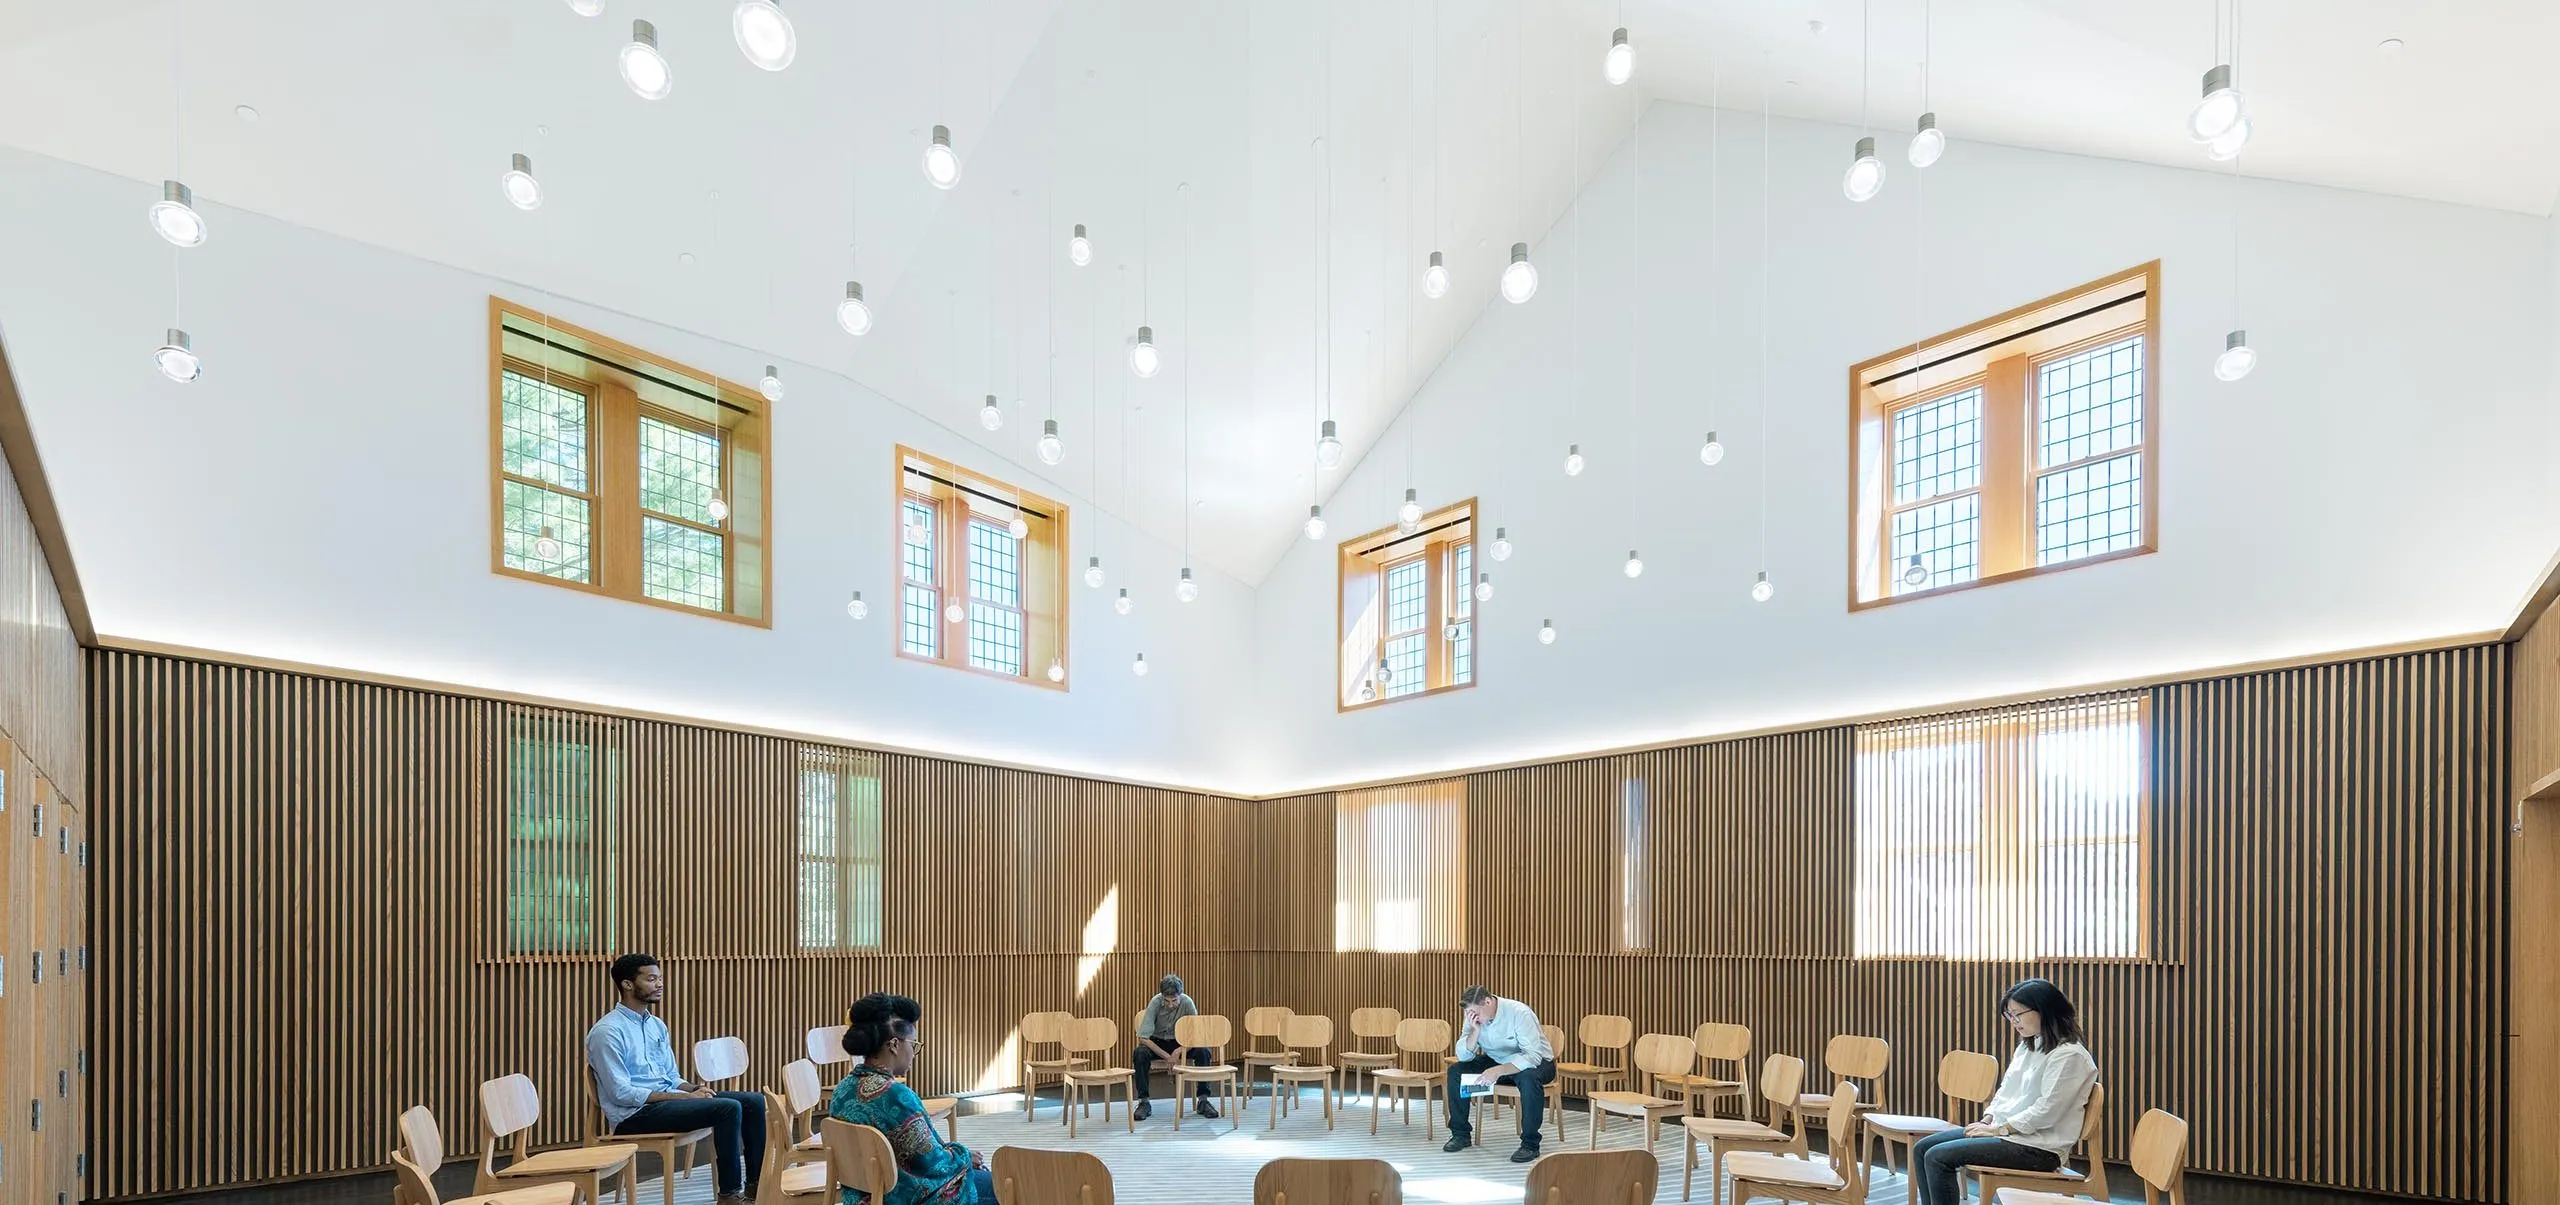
(853, 290)
(1762, 579)
(1502, 533)
(1093, 562)
(1928, 122)
(1711, 438)
(857, 595)
(1435, 260)
(2217, 79)
(773, 372)
(2239, 338)
(1048, 428)
(644, 33)
(1573, 449)
(179, 194)
(1631, 554)
(1324, 430)
(178, 339)
(1147, 335)
(1519, 253)
(1482, 578)
(522, 162)
(1079, 230)
(1866, 150)
(1186, 574)
(942, 136)
(989, 404)
(1409, 495)
(1619, 37)
(1315, 510)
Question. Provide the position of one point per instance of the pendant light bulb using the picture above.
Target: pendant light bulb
(1501, 549)
(1915, 573)
(856, 608)
(1635, 564)
(644, 68)
(1484, 587)
(764, 35)
(1573, 460)
(1328, 446)
(1122, 604)
(852, 313)
(1928, 143)
(941, 163)
(918, 536)
(1057, 670)
(953, 613)
(719, 509)
(1546, 631)
(174, 216)
(1520, 279)
(1435, 278)
(1761, 589)
(1711, 453)
(1093, 572)
(523, 191)
(2227, 148)
(1315, 522)
(770, 385)
(1052, 449)
(1619, 65)
(1139, 666)
(1865, 177)
(2220, 108)
(177, 358)
(546, 547)
(1409, 515)
(2236, 359)
(1186, 588)
(1079, 248)
(990, 415)
(1019, 528)
(587, 8)
(1144, 359)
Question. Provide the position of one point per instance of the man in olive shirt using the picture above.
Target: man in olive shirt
(1155, 1041)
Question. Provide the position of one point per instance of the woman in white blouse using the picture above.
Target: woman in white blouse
(2033, 1120)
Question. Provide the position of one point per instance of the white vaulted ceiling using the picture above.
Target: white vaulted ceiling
(390, 121)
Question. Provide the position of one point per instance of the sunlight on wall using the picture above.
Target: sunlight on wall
(1101, 937)
(1004, 1070)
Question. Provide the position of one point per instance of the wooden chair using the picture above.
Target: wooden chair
(1600, 1031)
(510, 1108)
(2063, 1181)
(1038, 1030)
(1555, 1089)
(1033, 1177)
(1097, 1036)
(1593, 1178)
(826, 1049)
(1301, 1034)
(720, 1063)
(859, 1158)
(1367, 1023)
(1657, 1055)
(1963, 1075)
(1212, 1033)
(1717, 1042)
(1781, 1080)
(417, 1188)
(1839, 1178)
(1417, 1040)
(782, 1178)
(676, 1152)
(803, 1094)
(2159, 1159)
(1325, 1182)
(1850, 1057)
(1259, 1023)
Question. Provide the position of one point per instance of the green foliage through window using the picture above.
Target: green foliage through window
(559, 790)
(840, 850)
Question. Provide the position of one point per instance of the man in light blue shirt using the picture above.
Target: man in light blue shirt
(1502, 1043)
(642, 1092)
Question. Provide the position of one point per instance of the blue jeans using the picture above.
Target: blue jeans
(736, 1122)
(982, 1187)
(1934, 1161)
(1533, 1097)
(1144, 1059)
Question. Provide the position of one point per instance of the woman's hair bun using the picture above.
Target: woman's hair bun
(875, 1020)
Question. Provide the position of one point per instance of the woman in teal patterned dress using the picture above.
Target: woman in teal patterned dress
(881, 1031)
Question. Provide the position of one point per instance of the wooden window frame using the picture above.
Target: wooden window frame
(1362, 564)
(614, 376)
(847, 858)
(2001, 355)
(1042, 571)
(603, 739)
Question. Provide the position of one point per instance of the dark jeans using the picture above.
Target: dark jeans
(1533, 1097)
(736, 1122)
(1145, 1058)
(982, 1187)
(1934, 1161)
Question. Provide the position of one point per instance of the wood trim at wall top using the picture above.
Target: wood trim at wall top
(18, 445)
(2545, 592)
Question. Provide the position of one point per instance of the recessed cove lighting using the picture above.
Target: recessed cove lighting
(174, 216)
(851, 313)
(643, 67)
(764, 35)
(523, 191)
(177, 359)
(941, 163)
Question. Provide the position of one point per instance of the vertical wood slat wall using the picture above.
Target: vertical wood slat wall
(296, 883)
(44, 978)
(2534, 932)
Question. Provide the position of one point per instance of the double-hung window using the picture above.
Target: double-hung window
(1408, 611)
(982, 573)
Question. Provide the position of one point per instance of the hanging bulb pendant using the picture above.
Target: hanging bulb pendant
(1928, 143)
(2227, 147)
(1865, 177)
(1057, 670)
(1619, 65)
(1484, 587)
(1915, 574)
(1144, 359)
(941, 163)
(1052, 449)
(1185, 588)
(521, 189)
(1635, 564)
(1123, 604)
(1409, 515)
(764, 34)
(1093, 572)
(2219, 109)
(1328, 446)
(174, 216)
(1546, 631)
(1761, 589)
(1711, 453)
(852, 313)
(1315, 522)
(770, 385)
(1019, 528)
(1079, 248)
(176, 359)
(1139, 666)
(855, 607)
(1520, 278)
(1501, 549)
(546, 547)
(2237, 357)
(644, 68)
(718, 509)
(1435, 278)
(1573, 460)
(990, 415)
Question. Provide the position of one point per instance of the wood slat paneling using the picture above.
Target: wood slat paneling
(2534, 933)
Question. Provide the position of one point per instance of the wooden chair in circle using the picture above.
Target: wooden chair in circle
(804, 1095)
(1555, 1089)
(720, 1064)
(859, 1158)
(782, 1179)
(1368, 1024)
(1418, 1041)
(1211, 1033)
(1038, 1030)
(1265, 1022)
(510, 1107)
(415, 1187)
(1025, 1176)
(2066, 1180)
(2159, 1159)
(1327, 1182)
(1850, 1057)
(1838, 1178)
(1781, 1080)
(1599, 1032)
(1657, 1056)
(1097, 1037)
(1963, 1075)
(1718, 1043)
(1302, 1034)
(1593, 1178)
(676, 1151)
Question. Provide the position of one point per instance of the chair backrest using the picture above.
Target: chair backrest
(414, 1187)
(421, 1140)
(1968, 1075)
(2159, 1149)
(1311, 1031)
(1665, 1054)
(511, 1104)
(1555, 1038)
(1722, 1041)
(1025, 1176)
(1840, 1122)
(1042, 1029)
(1619, 1177)
(860, 1159)
(1781, 1081)
(2092, 1136)
(1375, 1022)
(719, 1059)
(591, 1111)
(1422, 1035)
(1857, 1057)
(826, 1045)
(1086, 1034)
(801, 1088)
(1325, 1182)
(1267, 1021)
(1138, 1025)
(1605, 1031)
(1206, 1030)
(777, 1146)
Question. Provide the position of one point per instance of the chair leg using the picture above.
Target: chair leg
(1688, 1163)
(666, 1171)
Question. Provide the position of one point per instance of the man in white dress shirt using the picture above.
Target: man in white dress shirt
(1502, 1044)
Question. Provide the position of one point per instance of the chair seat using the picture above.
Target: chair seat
(1398, 1075)
(805, 1179)
(2065, 1175)
(2028, 1196)
(1731, 1127)
(1267, 1056)
(1784, 1169)
(1586, 1069)
(814, 1142)
(1213, 1071)
(678, 1139)
(560, 1193)
(940, 1106)
(1100, 1075)
(1816, 1103)
(1633, 1102)
(1054, 1064)
(1700, 1082)
(1900, 1125)
(1305, 1071)
(571, 1161)
(1366, 1058)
